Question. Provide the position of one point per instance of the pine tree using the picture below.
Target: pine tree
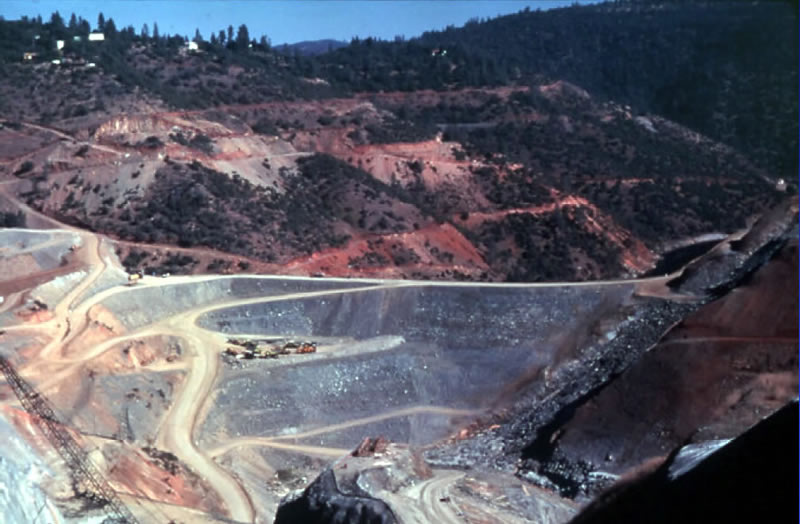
(242, 37)
(101, 22)
(57, 28)
(145, 33)
(156, 35)
(110, 28)
(56, 22)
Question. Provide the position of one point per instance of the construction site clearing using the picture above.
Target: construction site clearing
(263, 348)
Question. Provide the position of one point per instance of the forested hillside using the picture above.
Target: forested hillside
(725, 69)
(572, 144)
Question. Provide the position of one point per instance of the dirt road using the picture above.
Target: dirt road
(71, 138)
(735, 340)
(74, 321)
(177, 429)
(434, 497)
(275, 441)
(62, 358)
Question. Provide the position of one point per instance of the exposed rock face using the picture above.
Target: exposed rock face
(753, 478)
(323, 502)
(345, 491)
(712, 377)
(715, 368)
(382, 483)
(694, 369)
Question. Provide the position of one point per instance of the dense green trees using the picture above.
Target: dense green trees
(242, 37)
(726, 69)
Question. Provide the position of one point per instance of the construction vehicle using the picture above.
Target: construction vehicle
(271, 351)
(239, 353)
(306, 347)
(134, 278)
(249, 349)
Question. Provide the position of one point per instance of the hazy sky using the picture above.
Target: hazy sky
(282, 20)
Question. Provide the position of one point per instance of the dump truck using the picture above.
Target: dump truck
(271, 351)
(306, 347)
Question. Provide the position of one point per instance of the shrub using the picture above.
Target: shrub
(24, 168)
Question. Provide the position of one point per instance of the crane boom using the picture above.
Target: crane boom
(86, 479)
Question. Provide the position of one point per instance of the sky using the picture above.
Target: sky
(282, 21)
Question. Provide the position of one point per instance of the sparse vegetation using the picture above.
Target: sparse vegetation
(514, 152)
(11, 219)
(25, 167)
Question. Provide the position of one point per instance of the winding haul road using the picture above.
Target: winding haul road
(62, 358)
(176, 430)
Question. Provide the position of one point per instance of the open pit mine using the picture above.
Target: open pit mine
(221, 398)
(542, 269)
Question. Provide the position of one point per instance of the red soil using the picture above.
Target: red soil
(445, 238)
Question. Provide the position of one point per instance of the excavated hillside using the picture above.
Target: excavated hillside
(560, 300)
(506, 184)
(646, 385)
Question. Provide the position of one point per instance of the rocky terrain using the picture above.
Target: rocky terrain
(488, 274)
(324, 195)
(501, 401)
(622, 424)
(261, 161)
(746, 478)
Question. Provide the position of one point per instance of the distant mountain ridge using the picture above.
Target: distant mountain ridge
(313, 47)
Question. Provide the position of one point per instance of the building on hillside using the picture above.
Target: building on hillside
(76, 38)
(96, 37)
(29, 55)
(190, 47)
(59, 45)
